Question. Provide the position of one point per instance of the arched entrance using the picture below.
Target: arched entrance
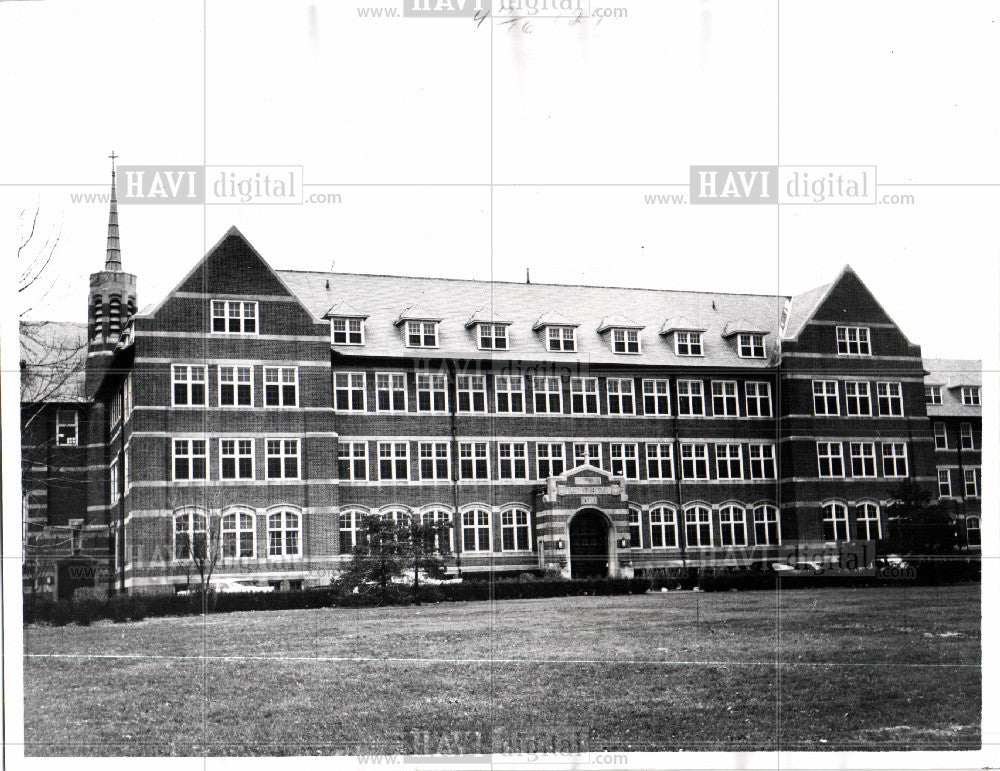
(588, 545)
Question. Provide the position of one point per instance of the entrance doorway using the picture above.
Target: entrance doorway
(588, 545)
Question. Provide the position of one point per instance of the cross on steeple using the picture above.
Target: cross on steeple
(112, 157)
(113, 260)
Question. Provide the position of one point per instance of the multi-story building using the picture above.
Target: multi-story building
(582, 430)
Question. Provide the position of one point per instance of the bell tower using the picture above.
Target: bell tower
(112, 299)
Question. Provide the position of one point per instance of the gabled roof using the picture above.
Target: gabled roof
(951, 375)
(680, 324)
(801, 309)
(617, 322)
(744, 326)
(484, 316)
(552, 319)
(53, 355)
(416, 313)
(344, 310)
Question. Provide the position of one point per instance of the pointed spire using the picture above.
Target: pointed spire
(113, 261)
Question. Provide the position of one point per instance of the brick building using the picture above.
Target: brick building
(584, 430)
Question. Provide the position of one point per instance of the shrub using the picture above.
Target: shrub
(120, 608)
(61, 613)
(137, 608)
(89, 605)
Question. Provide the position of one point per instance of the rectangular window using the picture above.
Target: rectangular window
(863, 459)
(625, 340)
(583, 396)
(548, 394)
(237, 460)
(733, 526)
(471, 393)
(515, 530)
(390, 391)
(944, 482)
(968, 438)
(690, 397)
(725, 401)
(394, 461)
(853, 341)
(493, 337)
(190, 459)
(235, 386)
(890, 398)
(509, 393)
(476, 530)
(513, 460)
(758, 395)
(347, 331)
(189, 385)
(114, 483)
(698, 526)
(752, 346)
(635, 528)
(434, 460)
(352, 461)
(762, 465)
(234, 317)
(621, 396)
(473, 460)
(973, 532)
(858, 397)
(349, 391)
(766, 527)
(940, 437)
(656, 396)
(625, 460)
(894, 459)
(694, 461)
(587, 453)
(971, 483)
(115, 411)
(932, 394)
(831, 459)
(421, 334)
(282, 458)
(688, 344)
(971, 396)
(561, 338)
(728, 461)
(662, 528)
(825, 397)
(67, 428)
(549, 459)
(660, 461)
(432, 393)
(281, 386)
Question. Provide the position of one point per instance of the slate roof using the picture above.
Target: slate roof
(524, 305)
(951, 375)
(801, 308)
(53, 354)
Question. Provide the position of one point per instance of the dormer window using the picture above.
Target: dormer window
(492, 337)
(751, 346)
(234, 317)
(347, 331)
(932, 394)
(688, 344)
(625, 341)
(561, 338)
(971, 396)
(421, 334)
(853, 341)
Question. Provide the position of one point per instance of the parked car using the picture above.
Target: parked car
(230, 585)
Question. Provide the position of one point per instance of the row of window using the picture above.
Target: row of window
(237, 534)
(969, 480)
(237, 459)
(966, 436)
(863, 459)
(971, 395)
(857, 398)
(235, 386)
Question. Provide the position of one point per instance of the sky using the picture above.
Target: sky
(480, 151)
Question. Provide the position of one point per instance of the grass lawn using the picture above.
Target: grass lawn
(835, 669)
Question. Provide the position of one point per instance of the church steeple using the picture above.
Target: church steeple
(113, 261)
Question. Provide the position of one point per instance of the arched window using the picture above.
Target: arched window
(869, 522)
(350, 529)
(190, 534)
(444, 540)
(835, 526)
(400, 517)
(284, 534)
(635, 527)
(698, 526)
(733, 525)
(662, 527)
(476, 530)
(515, 529)
(238, 534)
(766, 526)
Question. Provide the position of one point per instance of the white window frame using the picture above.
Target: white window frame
(656, 393)
(726, 455)
(726, 393)
(351, 333)
(696, 454)
(549, 388)
(891, 455)
(278, 376)
(421, 334)
(635, 527)
(195, 522)
(471, 385)
(940, 435)
(516, 455)
(67, 428)
(758, 393)
(184, 375)
(227, 317)
(856, 394)
(352, 453)
(516, 521)
(350, 391)
(560, 339)
(967, 438)
(864, 519)
(623, 460)
(237, 455)
(183, 448)
(863, 453)
(861, 342)
(626, 341)
(490, 335)
(944, 482)
(114, 483)
(435, 387)
(239, 377)
(764, 452)
(688, 344)
(287, 449)
(702, 518)
(970, 478)
(588, 391)
(284, 522)
(733, 519)
(438, 455)
(550, 458)
(478, 520)
(933, 394)
(398, 453)
(693, 389)
(659, 456)
(972, 396)
(892, 393)
(475, 456)
(835, 513)
(831, 452)
(765, 515)
(513, 386)
(235, 529)
(822, 391)
(751, 346)
(621, 394)
(349, 521)
(391, 385)
(664, 520)
(583, 453)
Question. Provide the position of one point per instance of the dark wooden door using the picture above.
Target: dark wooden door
(588, 545)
